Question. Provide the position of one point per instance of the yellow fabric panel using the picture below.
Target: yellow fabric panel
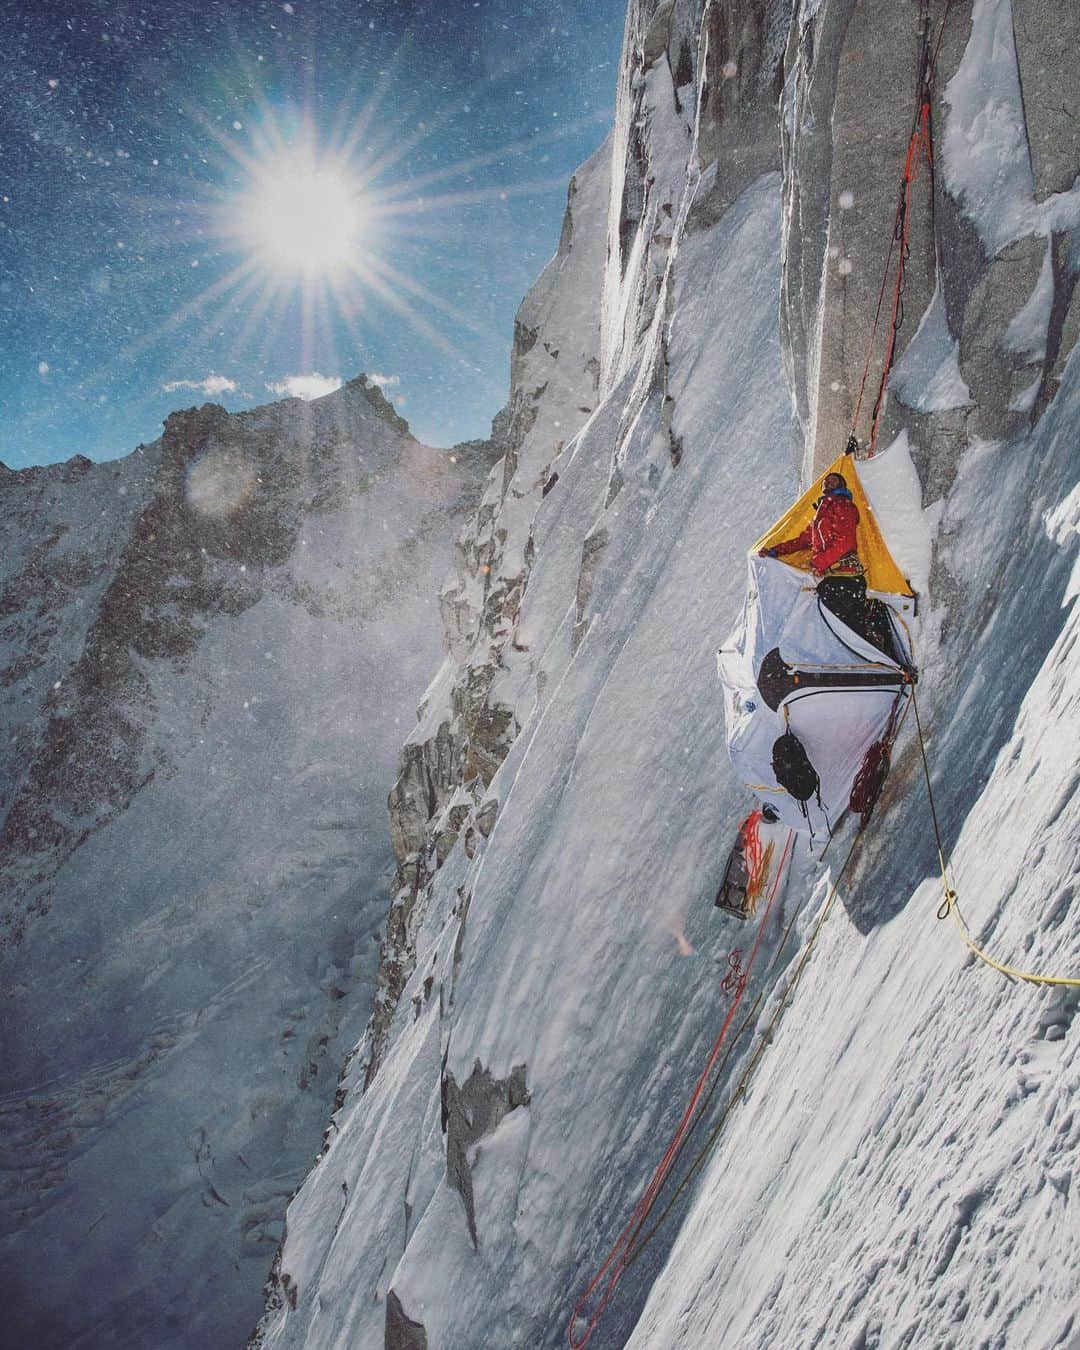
(882, 573)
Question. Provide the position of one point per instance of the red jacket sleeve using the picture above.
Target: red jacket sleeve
(804, 540)
(837, 522)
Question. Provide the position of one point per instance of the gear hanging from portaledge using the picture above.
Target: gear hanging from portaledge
(747, 869)
(732, 893)
(792, 767)
(794, 772)
(920, 145)
(870, 780)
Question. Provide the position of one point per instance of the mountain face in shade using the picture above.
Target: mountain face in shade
(210, 651)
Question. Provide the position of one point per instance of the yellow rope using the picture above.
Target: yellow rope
(949, 904)
(954, 909)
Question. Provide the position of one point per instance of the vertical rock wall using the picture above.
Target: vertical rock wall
(991, 227)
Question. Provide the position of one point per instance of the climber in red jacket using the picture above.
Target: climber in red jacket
(831, 534)
(835, 560)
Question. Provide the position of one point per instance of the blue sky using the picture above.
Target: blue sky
(142, 261)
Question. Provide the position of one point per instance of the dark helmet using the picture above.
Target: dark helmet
(834, 482)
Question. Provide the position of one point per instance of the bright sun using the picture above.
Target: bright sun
(313, 224)
(302, 217)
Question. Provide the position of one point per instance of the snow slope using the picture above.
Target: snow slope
(579, 887)
(911, 1182)
(195, 842)
(901, 1171)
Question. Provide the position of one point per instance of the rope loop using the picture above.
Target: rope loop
(734, 982)
(950, 906)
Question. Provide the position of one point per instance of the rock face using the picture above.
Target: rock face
(204, 649)
(467, 721)
(1003, 200)
(564, 803)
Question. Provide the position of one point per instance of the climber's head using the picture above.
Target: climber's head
(834, 482)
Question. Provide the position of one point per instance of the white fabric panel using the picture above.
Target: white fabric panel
(836, 726)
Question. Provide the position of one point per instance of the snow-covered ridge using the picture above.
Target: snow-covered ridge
(185, 530)
(210, 651)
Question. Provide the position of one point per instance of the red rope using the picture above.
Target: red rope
(922, 137)
(615, 1262)
(920, 141)
(753, 851)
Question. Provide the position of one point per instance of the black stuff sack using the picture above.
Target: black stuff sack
(793, 769)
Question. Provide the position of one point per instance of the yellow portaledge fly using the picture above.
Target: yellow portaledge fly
(879, 569)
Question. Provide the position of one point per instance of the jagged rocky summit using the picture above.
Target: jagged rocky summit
(210, 651)
(900, 1172)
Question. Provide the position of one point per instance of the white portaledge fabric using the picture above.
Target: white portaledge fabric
(835, 725)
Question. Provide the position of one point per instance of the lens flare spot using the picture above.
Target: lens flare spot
(220, 483)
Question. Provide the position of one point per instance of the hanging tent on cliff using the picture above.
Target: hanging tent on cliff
(813, 684)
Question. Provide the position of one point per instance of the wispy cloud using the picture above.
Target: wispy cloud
(385, 381)
(306, 386)
(212, 385)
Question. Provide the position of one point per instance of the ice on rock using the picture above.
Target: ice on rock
(927, 377)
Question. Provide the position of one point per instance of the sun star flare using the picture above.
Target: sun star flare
(302, 217)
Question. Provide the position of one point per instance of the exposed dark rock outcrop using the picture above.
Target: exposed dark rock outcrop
(472, 1110)
(402, 1333)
